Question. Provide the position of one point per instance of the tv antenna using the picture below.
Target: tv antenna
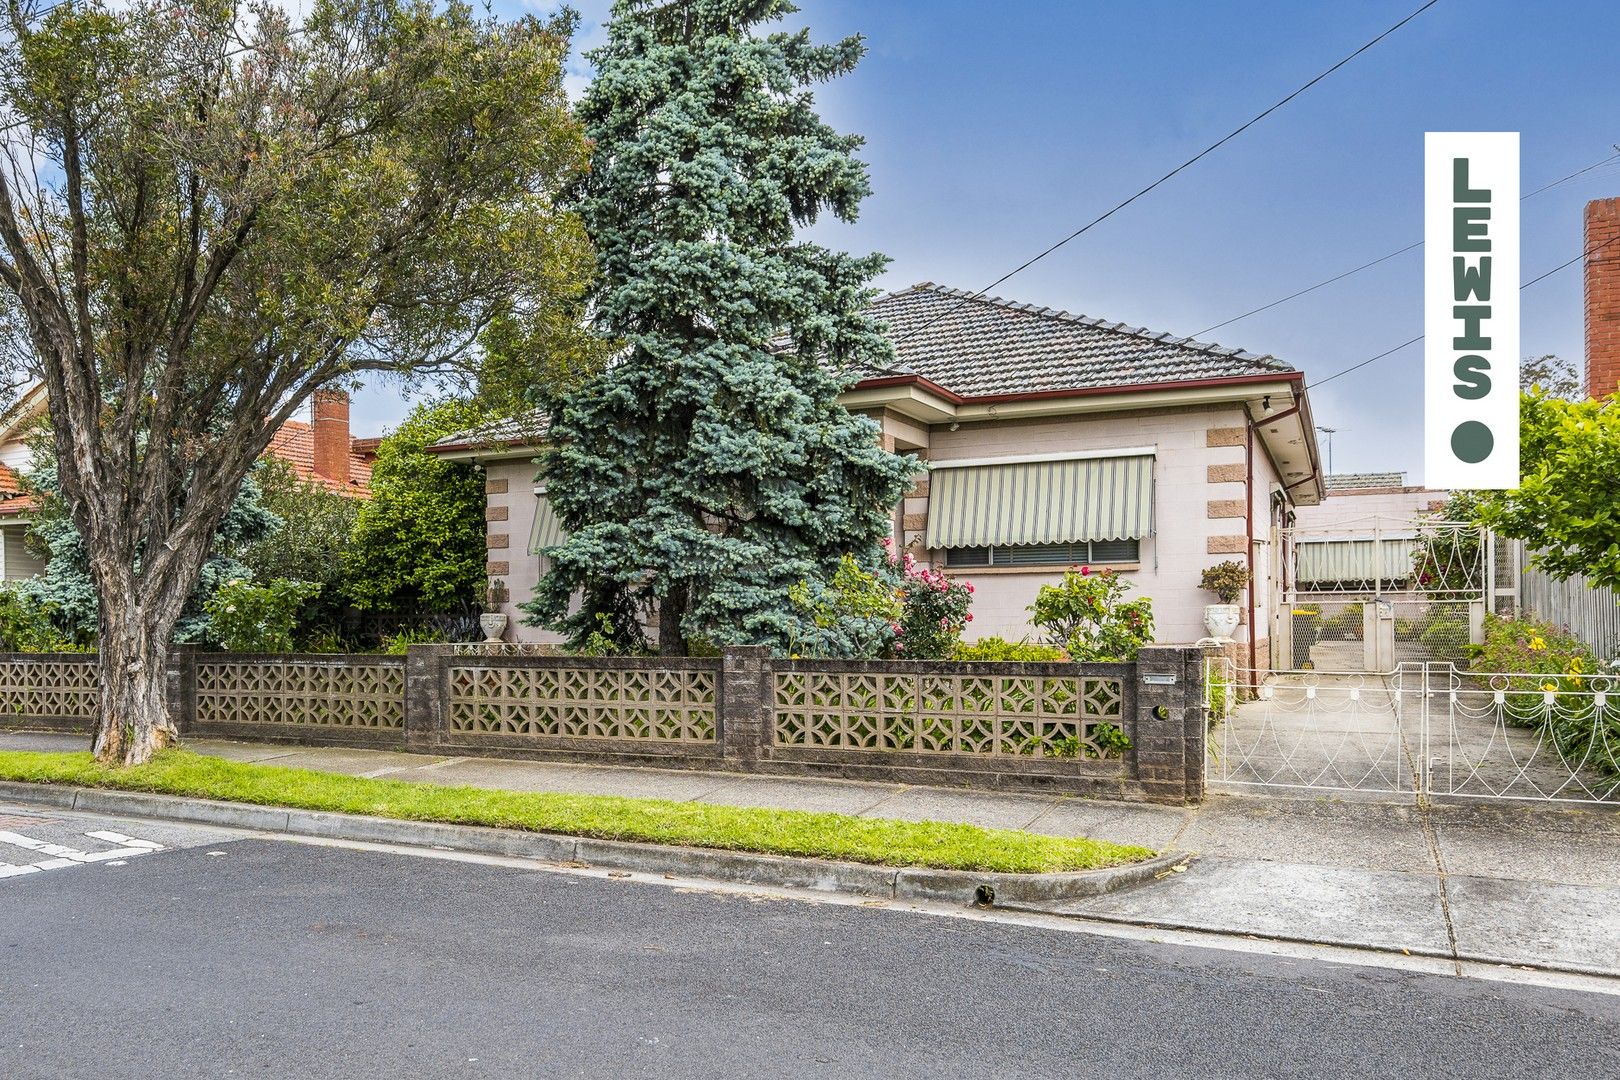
(1329, 432)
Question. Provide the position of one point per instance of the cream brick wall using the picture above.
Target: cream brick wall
(518, 502)
(1189, 474)
(1397, 504)
(1173, 559)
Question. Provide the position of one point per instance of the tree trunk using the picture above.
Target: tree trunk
(133, 720)
(671, 610)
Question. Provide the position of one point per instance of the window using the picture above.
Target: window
(1097, 551)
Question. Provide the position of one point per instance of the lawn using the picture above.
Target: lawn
(882, 841)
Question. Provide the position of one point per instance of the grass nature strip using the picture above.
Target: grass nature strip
(881, 841)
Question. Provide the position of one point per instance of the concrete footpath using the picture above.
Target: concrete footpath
(1494, 884)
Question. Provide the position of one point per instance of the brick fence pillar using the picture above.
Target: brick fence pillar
(180, 687)
(424, 694)
(744, 705)
(1169, 739)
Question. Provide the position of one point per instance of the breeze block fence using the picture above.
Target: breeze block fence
(1125, 731)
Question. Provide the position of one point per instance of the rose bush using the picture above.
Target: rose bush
(933, 611)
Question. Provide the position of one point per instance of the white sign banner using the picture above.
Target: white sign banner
(1471, 309)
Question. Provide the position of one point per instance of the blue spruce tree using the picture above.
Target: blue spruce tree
(711, 468)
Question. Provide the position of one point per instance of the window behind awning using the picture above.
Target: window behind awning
(548, 531)
(1041, 502)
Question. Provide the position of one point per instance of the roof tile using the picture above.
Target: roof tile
(294, 443)
(986, 346)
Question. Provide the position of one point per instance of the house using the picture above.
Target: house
(1053, 440)
(1333, 541)
(321, 452)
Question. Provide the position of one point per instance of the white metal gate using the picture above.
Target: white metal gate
(1421, 730)
(1370, 594)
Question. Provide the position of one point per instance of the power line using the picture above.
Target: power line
(1211, 148)
(1573, 175)
(1385, 258)
(1540, 277)
(1308, 289)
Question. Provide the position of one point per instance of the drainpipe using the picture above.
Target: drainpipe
(1248, 528)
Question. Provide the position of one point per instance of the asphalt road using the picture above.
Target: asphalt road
(217, 956)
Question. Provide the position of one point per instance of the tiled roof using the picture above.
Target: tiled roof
(524, 430)
(986, 346)
(13, 500)
(294, 443)
(1363, 481)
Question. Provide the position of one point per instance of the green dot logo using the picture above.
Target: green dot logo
(1472, 442)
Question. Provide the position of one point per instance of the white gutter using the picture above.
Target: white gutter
(1028, 459)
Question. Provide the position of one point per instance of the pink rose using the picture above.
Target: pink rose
(968, 617)
(1085, 571)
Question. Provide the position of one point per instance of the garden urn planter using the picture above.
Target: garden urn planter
(1221, 620)
(493, 624)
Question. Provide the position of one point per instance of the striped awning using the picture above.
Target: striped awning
(1353, 561)
(548, 531)
(1041, 502)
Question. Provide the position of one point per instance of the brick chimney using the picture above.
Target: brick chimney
(1602, 297)
(331, 410)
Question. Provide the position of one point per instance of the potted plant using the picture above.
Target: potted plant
(1226, 580)
(493, 620)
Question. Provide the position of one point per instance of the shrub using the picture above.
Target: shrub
(418, 542)
(26, 625)
(1446, 635)
(1000, 649)
(853, 615)
(244, 616)
(1541, 658)
(1343, 625)
(1088, 615)
(1220, 697)
(1530, 647)
(1226, 580)
(397, 644)
(933, 612)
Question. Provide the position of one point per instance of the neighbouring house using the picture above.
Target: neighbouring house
(1334, 540)
(1360, 579)
(1053, 440)
(320, 452)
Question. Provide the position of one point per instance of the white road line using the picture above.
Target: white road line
(125, 841)
(60, 855)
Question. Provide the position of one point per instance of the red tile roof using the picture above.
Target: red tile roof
(294, 443)
(13, 500)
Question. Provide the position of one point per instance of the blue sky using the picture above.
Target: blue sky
(994, 129)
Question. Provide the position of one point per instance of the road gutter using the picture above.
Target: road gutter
(881, 882)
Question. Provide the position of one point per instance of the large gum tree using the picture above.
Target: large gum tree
(207, 212)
